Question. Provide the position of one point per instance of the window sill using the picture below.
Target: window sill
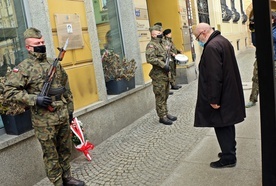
(8, 140)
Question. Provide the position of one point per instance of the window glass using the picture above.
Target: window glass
(108, 26)
(12, 26)
(110, 40)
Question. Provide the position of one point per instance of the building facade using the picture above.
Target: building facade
(95, 28)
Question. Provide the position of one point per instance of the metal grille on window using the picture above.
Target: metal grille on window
(203, 13)
(235, 15)
(244, 16)
(226, 13)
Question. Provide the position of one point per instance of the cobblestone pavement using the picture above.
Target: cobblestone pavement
(146, 152)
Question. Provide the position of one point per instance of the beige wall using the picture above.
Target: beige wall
(236, 33)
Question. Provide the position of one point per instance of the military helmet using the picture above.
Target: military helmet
(32, 33)
(155, 27)
(158, 23)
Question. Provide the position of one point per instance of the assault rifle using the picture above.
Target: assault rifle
(52, 72)
(168, 56)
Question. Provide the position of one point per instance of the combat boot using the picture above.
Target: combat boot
(70, 181)
(165, 121)
(174, 87)
(171, 117)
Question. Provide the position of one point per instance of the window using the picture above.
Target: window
(11, 41)
(108, 26)
(111, 46)
(12, 46)
(226, 13)
(203, 13)
(103, 5)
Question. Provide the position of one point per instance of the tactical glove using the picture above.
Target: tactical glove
(167, 68)
(43, 101)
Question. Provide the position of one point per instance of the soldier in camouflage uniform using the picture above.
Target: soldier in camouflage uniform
(158, 25)
(168, 39)
(156, 56)
(52, 128)
(255, 88)
(255, 81)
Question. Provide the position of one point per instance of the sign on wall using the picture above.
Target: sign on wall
(68, 26)
(141, 14)
(142, 22)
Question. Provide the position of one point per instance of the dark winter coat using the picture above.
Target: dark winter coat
(219, 83)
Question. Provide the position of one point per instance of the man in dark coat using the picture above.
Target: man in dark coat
(220, 100)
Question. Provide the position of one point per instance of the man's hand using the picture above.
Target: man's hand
(43, 101)
(215, 106)
(166, 68)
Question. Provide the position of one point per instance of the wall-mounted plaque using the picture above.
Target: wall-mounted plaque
(142, 25)
(68, 26)
(141, 14)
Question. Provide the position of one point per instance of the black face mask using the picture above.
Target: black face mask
(40, 49)
(159, 36)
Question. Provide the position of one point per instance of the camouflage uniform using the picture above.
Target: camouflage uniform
(156, 56)
(52, 129)
(255, 84)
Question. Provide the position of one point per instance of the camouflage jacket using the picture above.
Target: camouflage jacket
(25, 82)
(169, 42)
(156, 56)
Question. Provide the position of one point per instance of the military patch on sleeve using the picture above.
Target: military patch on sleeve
(15, 70)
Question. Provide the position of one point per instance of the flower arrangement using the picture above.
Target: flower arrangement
(75, 139)
(78, 139)
(117, 69)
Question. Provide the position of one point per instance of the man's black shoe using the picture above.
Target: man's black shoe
(170, 117)
(220, 154)
(218, 164)
(174, 87)
(170, 93)
(179, 86)
(70, 181)
(165, 121)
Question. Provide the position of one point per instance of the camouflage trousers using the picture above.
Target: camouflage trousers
(161, 92)
(255, 84)
(56, 147)
(173, 73)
